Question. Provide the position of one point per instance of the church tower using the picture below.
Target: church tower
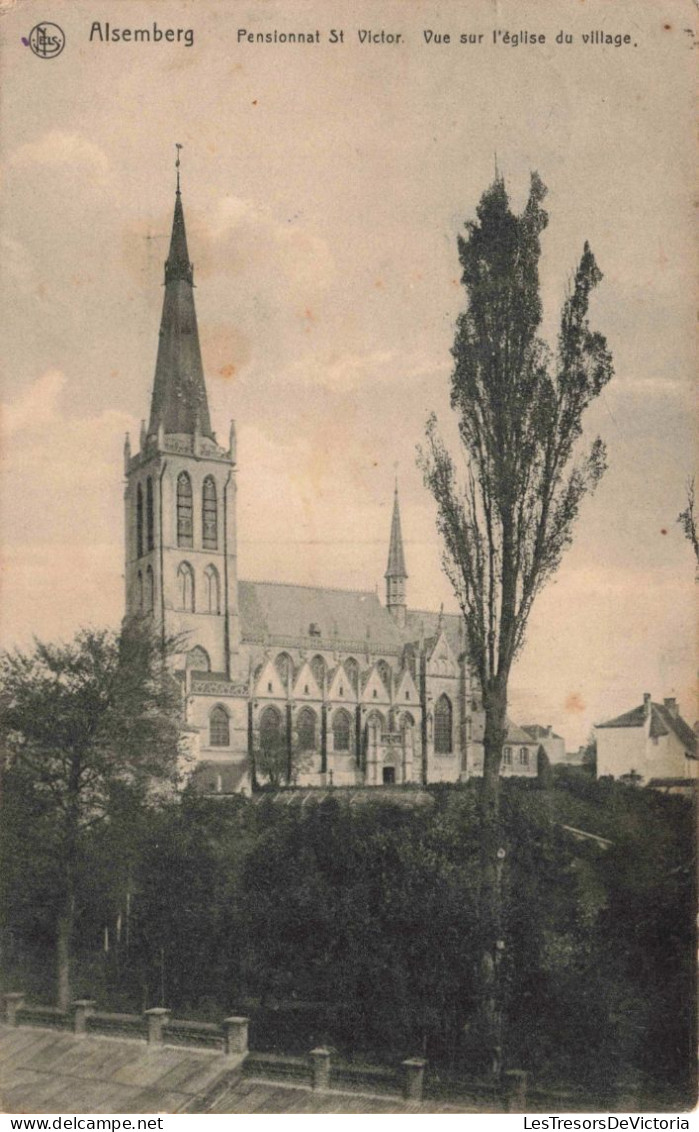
(396, 575)
(180, 497)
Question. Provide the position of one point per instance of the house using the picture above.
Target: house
(650, 742)
(282, 682)
(553, 744)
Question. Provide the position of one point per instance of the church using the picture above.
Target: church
(282, 683)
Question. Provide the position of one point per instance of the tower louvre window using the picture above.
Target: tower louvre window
(209, 514)
(213, 590)
(149, 514)
(150, 590)
(185, 526)
(139, 521)
(185, 587)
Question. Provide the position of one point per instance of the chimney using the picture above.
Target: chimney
(646, 703)
(671, 705)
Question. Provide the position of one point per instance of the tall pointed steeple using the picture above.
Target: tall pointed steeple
(396, 573)
(179, 403)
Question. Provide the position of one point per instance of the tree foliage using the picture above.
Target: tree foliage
(86, 728)
(519, 411)
(688, 522)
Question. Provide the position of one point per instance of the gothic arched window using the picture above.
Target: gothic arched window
(185, 526)
(270, 731)
(139, 521)
(150, 541)
(149, 597)
(306, 727)
(384, 672)
(352, 670)
(185, 587)
(443, 726)
(342, 728)
(284, 667)
(318, 670)
(209, 514)
(213, 590)
(219, 727)
(198, 660)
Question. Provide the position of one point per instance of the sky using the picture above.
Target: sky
(324, 187)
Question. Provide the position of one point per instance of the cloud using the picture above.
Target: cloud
(60, 500)
(59, 149)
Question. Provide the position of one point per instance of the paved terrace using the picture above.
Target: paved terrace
(50, 1071)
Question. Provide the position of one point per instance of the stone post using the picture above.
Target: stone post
(82, 1009)
(320, 1068)
(514, 1089)
(157, 1019)
(14, 1001)
(235, 1036)
(413, 1078)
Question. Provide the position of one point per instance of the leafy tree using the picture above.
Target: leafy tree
(506, 526)
(84, 725)
(688, 522)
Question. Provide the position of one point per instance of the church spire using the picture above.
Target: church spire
(396, 573)
(179, 403)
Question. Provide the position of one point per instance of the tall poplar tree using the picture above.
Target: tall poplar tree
(507, 521)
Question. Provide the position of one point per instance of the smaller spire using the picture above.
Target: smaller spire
(396, 557)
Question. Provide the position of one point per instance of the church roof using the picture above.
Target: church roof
(396, 558)
(425, 623)
(179, 400)
(312, 615)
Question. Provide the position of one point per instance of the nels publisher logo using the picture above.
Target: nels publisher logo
(46, 40)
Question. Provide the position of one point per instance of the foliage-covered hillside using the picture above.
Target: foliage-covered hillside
(356, 924)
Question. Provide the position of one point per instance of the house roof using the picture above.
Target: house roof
(634, 718)
(538, 732)
(517, 734)
(662, 722)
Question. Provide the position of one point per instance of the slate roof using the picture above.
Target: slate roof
(425, 622)
(634, 718)
(179, 392)
(396, 558)
(536, 731)
(284, 613)
(516, 734)
(662, 722)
